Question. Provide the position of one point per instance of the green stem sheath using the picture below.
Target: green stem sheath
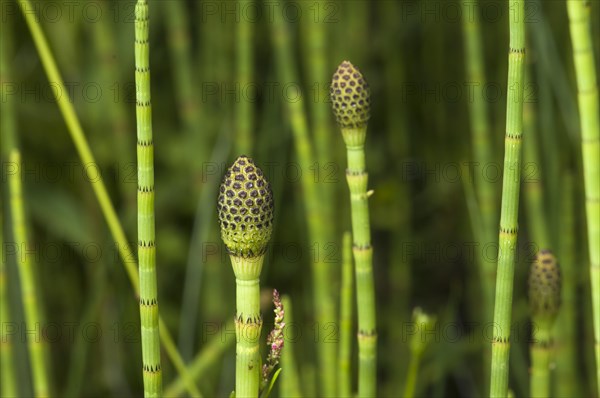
(510, 203)
(587, 87)
(146, 229)
(357, 178)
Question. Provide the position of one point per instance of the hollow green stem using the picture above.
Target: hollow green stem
(510, 203)
(345, 350)
(244, 115)
(248, 325)
(589, 112)
(357, 178)
(418, 344)
(65, 105)
(541, 350)
(323, 302)
(146, 235)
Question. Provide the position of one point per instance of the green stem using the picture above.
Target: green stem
(65, 105)
(532, 184)
(290, 381)
(345, 351)
(323, 303)
(587, 87)
(7, 128)
(146, 229)
(541, 350)
(9, 385)
(567, 376)
(37, 347)
(510, 203)
(248, 325)
(357, 178)
(244, 116)
(411, 378)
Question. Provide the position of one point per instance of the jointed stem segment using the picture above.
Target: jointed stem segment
(587, 87)
(145, 196)
(510, 203)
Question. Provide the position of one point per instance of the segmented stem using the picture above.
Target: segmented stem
(146, 234)
(65, 104)
(510, 202)
(541, 350)
(587, 87)
(248, 325)
(357, 178)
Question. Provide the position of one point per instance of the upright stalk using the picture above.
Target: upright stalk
(350, 96)
(418, 344)
(7, 138)
(245, 209)
(567, 376)
(347, 290)
(510, 203)
(65, 105)
(244, 116)
(589, 112)
(29, 294)
(145, 197)
(323, 302)
(544, 301)
(290, 379)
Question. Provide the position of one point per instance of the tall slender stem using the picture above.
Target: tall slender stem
(323, 302)
(290, 380)
(146, 234)
(587, 87)
(510, 202)
(29, 293)
(244, 116)
(540, 364)
(350, 96)
(347, 290)
(65, 105)
(7, 138)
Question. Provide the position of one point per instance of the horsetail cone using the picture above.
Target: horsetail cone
(245, 207)
(350, 97)
(544, 288)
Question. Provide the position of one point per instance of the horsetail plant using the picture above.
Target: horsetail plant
(245, 211)
(510, 203)
(587, 87)
(544, 303)
(350, 97)
(65, 104)
(145, 198)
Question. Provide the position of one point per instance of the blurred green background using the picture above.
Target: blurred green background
(420, 156)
